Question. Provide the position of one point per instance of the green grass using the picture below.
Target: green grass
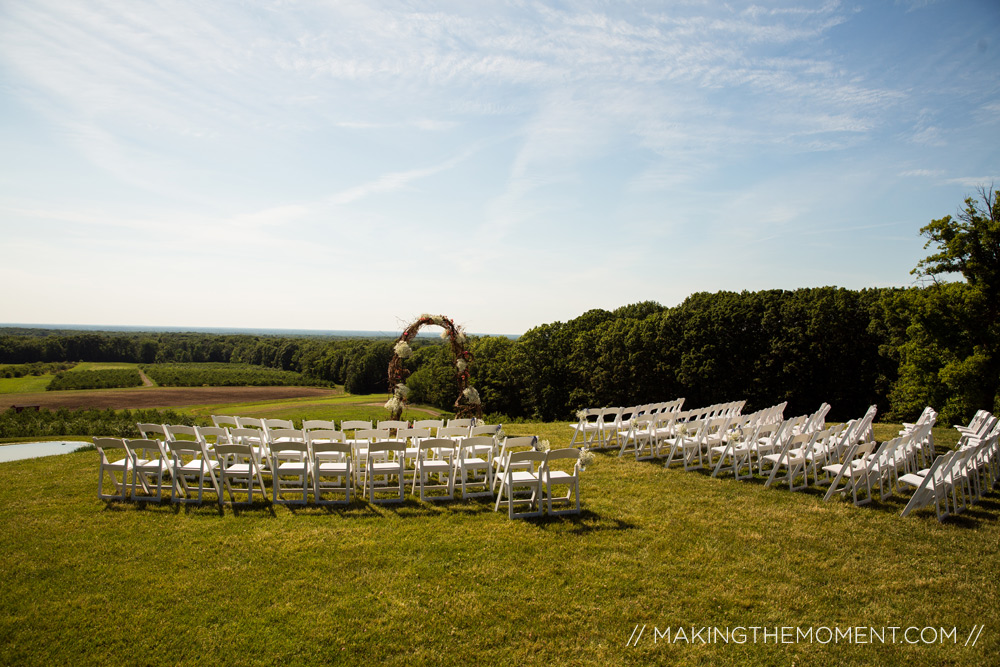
(456, 583)
(103, 366)
(28, 384)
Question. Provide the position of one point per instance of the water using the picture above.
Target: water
(32, 450)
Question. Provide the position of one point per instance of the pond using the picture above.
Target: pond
(31, 450)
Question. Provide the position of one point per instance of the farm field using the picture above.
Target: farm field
(456, 583)
(155, 397)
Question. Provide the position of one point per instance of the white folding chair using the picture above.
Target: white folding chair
(240, 471)
(474, 465)
(290, 470)
(793, 458)
(552, 476)
(855, 470)
(517, 477)
(737, 451)
(588, 427)
(331, 461)
(392, 425)
(113, 466)
(384, 459)
(688, 441)
(431, 424)
(257, 441)
(436, 460)
(225, 421)
(501, 462)
(930, 486)
(319, 425)
(191, 466)
(149, 469)
(152, 431)
(212, 436)
(454, 432)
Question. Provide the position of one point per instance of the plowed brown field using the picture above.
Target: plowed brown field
(159, 397)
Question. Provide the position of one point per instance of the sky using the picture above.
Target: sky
(353, 165)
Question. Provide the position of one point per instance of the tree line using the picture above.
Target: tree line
(899, 348)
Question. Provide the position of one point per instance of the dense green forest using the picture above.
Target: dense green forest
(899, 348)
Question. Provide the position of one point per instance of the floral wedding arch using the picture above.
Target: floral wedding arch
(467, 404)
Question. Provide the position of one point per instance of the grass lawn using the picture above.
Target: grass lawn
(456, 583)
(28, 384)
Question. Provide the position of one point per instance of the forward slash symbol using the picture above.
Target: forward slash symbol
(634, 630)
(976, 633)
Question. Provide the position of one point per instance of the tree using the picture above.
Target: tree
(969, 245)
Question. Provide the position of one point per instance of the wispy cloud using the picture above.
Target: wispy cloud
(525, 129)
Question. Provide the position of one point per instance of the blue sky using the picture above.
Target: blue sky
(351, 165)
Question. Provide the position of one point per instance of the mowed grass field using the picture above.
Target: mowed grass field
(456, 583)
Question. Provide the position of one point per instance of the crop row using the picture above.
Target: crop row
(224, 375)
(103, 379)
(114, 423)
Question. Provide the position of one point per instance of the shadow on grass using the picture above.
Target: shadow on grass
(140, 505)
(255, 508)
(584, 523)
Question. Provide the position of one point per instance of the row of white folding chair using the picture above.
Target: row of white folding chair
(149, 464)
(295, 466)
(593, 426)
(534, 472)
(191, 464)
(740, 425)
(784, 444)
(928, 416)
(868, 464)
(648, 441)
(346, 425)
(955, 478)
(600, 427)
(645, 432)
(864, 465)
(264, 442)
(694, 440)
(467, 462)
(984, 462)
(382, 466)
(774, 413)
(627, 416)
(651, 434)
